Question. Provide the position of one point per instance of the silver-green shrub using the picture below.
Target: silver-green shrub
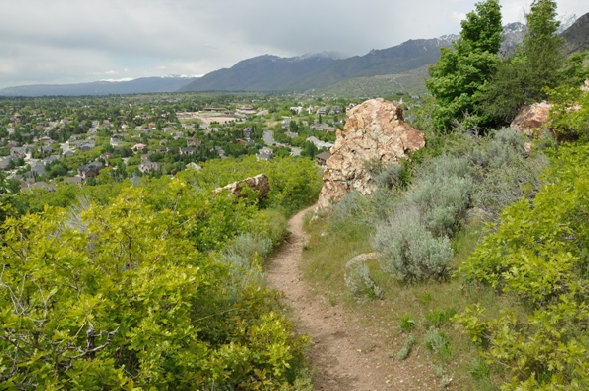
(403, 353)
(246, 250)
(359, 282)
(441, 202)
(503, 171)
(410, 251)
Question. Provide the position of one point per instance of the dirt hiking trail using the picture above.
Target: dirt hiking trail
(346, 354)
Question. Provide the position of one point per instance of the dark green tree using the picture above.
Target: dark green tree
(463, 69)
(535, 65)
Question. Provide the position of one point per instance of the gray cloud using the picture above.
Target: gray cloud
(69, 41)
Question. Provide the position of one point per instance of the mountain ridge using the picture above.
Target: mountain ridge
(310, 71)
(103, 87)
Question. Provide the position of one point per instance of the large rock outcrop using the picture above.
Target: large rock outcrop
(532, 120)
(257, 183)
(374, 130)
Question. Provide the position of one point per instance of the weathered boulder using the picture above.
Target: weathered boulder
(374, 130)
(257, 183)
(585, 86)
(532, 120)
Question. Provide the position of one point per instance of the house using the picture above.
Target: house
(194, 143)
(265, 153)
(247, 133)
(18, 152)
(86, 145)
(322, 111)
(322, 127)
(38, 169)
(138, 147)
(322, 158)
(189, 151)
(46, 140)
(148, 166)
(318, 143)
(46, 149)
(50, 159)
(90, 170)
(335, 110)
(5, 162)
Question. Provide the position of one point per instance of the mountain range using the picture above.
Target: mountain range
(321, 71)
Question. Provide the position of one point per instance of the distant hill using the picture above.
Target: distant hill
(135, 86)
(411, 82)
(577, 36)
(270, 73)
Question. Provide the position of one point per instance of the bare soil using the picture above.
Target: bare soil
(347, 353)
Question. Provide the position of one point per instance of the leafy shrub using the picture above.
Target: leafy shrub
(406, 323)
(359, 282)
(179, 321)
(410, 251)
(570, 115)
(539, 253)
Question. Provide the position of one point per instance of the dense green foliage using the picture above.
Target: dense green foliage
(463, 70)
(539, 253)
(536, 64)
(570, 115)
(156, 285)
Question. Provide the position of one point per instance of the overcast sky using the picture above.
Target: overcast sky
(63, 41)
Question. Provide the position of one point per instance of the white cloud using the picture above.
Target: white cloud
(75, 40)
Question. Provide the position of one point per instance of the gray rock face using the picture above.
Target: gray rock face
(374, 130)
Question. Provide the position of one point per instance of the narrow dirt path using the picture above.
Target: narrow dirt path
(346, 354)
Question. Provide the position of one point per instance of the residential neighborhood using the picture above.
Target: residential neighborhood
(95, 140)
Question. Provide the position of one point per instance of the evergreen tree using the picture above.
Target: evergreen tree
(535, 65)
(463, 70)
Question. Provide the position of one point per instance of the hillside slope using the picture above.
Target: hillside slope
(577, 36)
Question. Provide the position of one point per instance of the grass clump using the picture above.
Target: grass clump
(438, 318)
